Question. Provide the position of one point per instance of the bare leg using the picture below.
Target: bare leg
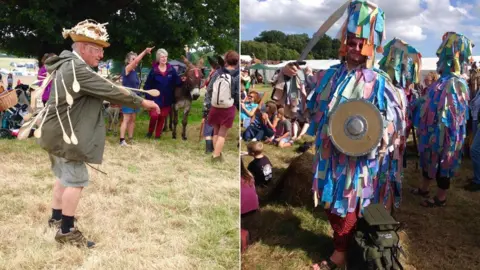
(125, 122)
(131, 125)
(304, 130)
(295, 130)
(70, 199)
(220, 141)
(216, 129)
(284, 144)
(58, 190)
(425, 184)
(441, 194)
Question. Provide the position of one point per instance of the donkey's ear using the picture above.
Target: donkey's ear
(185, 60)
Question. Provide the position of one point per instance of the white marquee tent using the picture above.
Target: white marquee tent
(428, 64)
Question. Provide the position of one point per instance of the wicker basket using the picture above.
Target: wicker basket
(8, 100)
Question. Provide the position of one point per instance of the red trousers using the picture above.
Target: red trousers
(157, 121)
(343, 229)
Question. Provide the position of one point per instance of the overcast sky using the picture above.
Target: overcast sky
(419, 22)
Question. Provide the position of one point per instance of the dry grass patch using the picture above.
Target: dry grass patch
(163, 205)
(294, 236)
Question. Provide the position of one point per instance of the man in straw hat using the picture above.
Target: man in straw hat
(442, 119)
(74, 113)
(345, 181)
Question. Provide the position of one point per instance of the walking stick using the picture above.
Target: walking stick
(201, 130)
(415, 144)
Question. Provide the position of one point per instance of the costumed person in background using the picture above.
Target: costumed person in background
(208, 129)
(403, 63)
(163, 77)
(42, 74)
(74, 112)
(442, 119)
(474, 184)
(130, 79)
(359, 121)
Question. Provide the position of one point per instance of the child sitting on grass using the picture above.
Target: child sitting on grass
(260, 167)
(249, 106)
(264, 123)
(285, 127)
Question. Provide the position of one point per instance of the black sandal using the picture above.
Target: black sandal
(419, 192)
(436, 203)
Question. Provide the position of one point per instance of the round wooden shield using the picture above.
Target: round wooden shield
(356, 127)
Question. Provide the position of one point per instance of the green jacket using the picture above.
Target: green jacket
(86, 112)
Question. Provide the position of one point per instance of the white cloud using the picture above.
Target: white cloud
(407, 32)
(407, 20)
(287, 13)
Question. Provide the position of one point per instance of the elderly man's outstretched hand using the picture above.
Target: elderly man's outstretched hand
(290, 70)
(150, 105)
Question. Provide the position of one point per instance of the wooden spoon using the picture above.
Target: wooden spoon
(38, 131)
(68, 96)
(76, 85)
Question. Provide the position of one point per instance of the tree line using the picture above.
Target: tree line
(32, 28)
(276, 45)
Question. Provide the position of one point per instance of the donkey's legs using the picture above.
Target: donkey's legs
(170, 120)
(175, 121)
(186, 112)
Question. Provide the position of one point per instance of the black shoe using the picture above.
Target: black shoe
(74, 237)
(149, 135)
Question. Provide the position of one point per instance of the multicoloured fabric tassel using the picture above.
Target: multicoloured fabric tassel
(442, 118)
(365, 20)
(403, 63)
(342, 182)
(441, 126)
(455, 53)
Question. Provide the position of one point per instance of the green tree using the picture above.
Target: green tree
(272, 36)
(296, 42)
(31, 28)
(276, 45)
(253, 47)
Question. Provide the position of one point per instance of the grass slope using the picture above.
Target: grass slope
(163, 205)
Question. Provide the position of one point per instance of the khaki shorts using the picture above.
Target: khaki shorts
(70, 173)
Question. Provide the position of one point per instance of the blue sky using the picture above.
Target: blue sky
(418, 22)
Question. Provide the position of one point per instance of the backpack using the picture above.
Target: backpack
(375, 243)
(222, 91)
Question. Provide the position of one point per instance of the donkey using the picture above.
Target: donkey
(184, 95)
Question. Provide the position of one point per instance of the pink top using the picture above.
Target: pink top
(249, 198)
(42, 74)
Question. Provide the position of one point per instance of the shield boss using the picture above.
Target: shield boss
(356, 127)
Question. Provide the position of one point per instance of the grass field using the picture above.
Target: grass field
(295, 237)
(163, 205)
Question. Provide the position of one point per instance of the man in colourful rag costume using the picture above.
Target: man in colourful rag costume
(403, 64)
(342, 183)
(72, 129)
(442, 118)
